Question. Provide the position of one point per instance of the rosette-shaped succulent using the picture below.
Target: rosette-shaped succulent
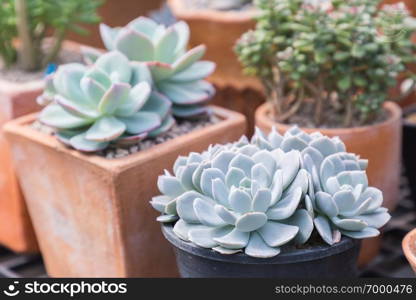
(237, 197)
(177, 73)
(108, 102)
(339, 193)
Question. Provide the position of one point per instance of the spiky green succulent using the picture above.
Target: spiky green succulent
(177, 73)
(342, 200)
(237, 197)
(262, 194)
(108, 102)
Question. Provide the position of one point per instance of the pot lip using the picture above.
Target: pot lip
(37, 84)
(394, 110)
(179, 9)
(18, 127)
(297, 256)
(408, 251)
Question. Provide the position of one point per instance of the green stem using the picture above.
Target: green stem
(53, 53)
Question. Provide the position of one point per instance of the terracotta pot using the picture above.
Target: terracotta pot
(116, 13)
(380, 144)
(409, 248)
(92, 215)
(219, 31)
(17, 99)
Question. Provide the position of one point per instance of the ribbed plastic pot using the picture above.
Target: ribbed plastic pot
(337, 261)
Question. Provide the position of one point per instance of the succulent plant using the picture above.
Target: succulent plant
(108, 102)
(176, 73)
(339, 193)
(237, 197)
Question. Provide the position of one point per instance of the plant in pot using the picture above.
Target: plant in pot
(329, 65)
(26, 49)
(409, 248)
(115, 124)
(278, 206)
(232, 18)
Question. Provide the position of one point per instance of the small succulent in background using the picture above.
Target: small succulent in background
(108, 102)
(227, 4)
(177, 74)
(342, 200)
(237, 197)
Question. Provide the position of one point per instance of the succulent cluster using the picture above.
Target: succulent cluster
(345, 55)
(257, 196)
(177, 74)
(109, 102)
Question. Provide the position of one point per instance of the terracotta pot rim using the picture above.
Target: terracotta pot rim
(408, 252)
(394, 110)
(179, 9)
(19, 127)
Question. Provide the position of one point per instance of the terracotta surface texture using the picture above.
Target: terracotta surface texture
(219, 31)
(92, 215)
(409, 248)
(380, 144)
(17, 99)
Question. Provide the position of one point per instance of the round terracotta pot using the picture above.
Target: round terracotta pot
(219, 30)
(409, 248)
(379, 143)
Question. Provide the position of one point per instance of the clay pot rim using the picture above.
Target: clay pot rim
(394, 111)
(179, 9)
(410, 252)
(296, 256)
(20, 127)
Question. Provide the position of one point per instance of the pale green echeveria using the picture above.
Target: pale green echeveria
(177, 73)
(108, 102)
(237, 197)
(339, 193)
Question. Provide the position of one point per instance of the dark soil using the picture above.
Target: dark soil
(16, 74)
(330, 119)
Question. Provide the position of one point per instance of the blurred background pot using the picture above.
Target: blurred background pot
(409, 248)
(219, 31)
(91, 214)
(337, 261)
(379, 143)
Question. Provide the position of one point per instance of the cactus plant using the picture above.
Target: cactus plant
(237, 197)
(109, 102)
(261, 194)
(342, 200)
(177, 74)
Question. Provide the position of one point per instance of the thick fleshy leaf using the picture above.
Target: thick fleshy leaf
(290, 167)
(359, 209)
(80, 143)
(186, 176)
(367, 232)
(206, 213)
(189, 58)
(196, 178)
(187, 93)
(136, 99)
(159, 70)
(203, 237)
(166, 125)
(261, 175)
(144, 25)
(326, 204)
(108, 35)
(324, 229)
(67, 82)
(159, 202)
(344, 200)
(135, 45)
(126, 139)
(376, 196)
(262, 200)
(190, 111)
(223, 160)
(226, 215)
(376, 220)
(301, 181)
(293, 143)
(234, 177)
(157, 103)
(286, 207)
(115, 65)
(234, 240)
(251, 221)
(183, 31)
(240, 201)
(277, 234)
(349, 224)
(55, 116)
(324, 145)
(93, 90)
(140, 73)
(220, 192)
(100, 77)
(266, 159)
(165, 46)
(277, 188)
(115, 96)
(196, 72)
(181, 229)
(170, 186)
(105, 129)
(90, 54)
(208, 175)
(185, 207)
(242, 162)
(226, 251)
(303, 220)
(141, 122)
(167, 218)
(75, 108)
(256, 247)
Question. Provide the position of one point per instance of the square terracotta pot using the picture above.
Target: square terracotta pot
(92, 215)
(16, 100)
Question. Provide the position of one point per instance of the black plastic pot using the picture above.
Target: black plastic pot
(409, 149)
(337, 261)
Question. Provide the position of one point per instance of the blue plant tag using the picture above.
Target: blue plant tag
(50, 68)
